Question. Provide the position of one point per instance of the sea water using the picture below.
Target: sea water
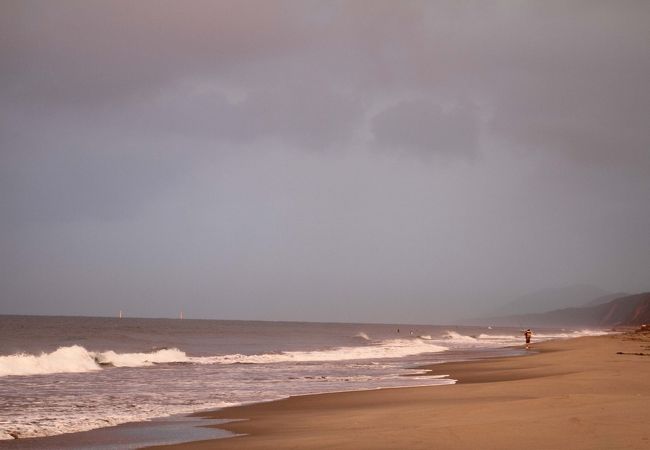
(71, 374)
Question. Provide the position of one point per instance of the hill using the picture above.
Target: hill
(630, 310)
(555, 298)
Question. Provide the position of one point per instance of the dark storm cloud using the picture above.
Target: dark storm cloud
(558, 77)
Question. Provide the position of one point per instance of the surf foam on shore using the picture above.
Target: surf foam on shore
(77, 359)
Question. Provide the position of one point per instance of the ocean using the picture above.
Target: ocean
(72, 374)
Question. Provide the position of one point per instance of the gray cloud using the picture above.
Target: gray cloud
(426, 127)
(293, 115)
(289, 159)
(590, 120)
(575, 73)
(78, 53)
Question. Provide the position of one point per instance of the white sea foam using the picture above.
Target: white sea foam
(496, 337)
(565, 334)
(4, 435)
(362, 335)
(477, 341)
(47, 425)
(392, 348)
(64, 359)
(587, 332)
(458, 338)
(77, 359)
(501, 340)
(170, 355)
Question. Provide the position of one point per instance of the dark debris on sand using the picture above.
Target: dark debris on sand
(640, 334)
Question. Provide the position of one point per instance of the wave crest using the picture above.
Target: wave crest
(75, 359)
(167, 355)
(62, 360)
(392, 348)
(458, 338)
(78, 359)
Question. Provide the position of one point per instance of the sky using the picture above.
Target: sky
(356, 161)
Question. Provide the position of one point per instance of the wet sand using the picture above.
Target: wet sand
(573, 394)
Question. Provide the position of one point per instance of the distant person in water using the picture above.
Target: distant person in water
(527, 335)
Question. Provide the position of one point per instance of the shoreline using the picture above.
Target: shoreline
(578, 393)
(158, 430)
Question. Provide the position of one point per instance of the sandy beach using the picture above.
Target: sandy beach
(583, 393)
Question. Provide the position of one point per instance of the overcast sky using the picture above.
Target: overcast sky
(391, 161)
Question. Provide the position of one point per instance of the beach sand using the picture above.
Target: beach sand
(571, 394)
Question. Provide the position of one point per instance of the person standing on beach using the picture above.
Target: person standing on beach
(527, 335)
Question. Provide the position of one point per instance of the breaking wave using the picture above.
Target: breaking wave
(392, 348)
(167, 355)
(500, 340)
(75, 358)
(64, 359)
(570, 334)
(458, 338)
(78, 359)
(362, 335)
